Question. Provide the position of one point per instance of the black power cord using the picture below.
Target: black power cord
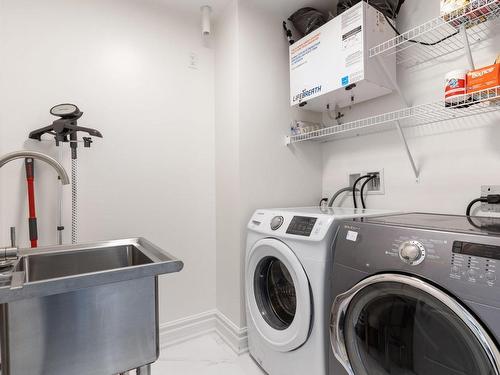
(418, 41)
(363, 189)
(354, 188)
(488, 224)
(490, 199)
(472, 203)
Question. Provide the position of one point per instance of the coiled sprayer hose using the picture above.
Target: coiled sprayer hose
(74, 201)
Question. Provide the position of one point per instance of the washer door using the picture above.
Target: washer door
(396, 324)
(278, 296)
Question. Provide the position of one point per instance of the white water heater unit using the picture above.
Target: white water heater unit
(331, 66)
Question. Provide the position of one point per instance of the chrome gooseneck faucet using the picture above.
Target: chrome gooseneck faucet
(11, 251)
(39, 156)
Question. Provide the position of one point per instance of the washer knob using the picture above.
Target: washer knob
(412, 252)
(277, 222)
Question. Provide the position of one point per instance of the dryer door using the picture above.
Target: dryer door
(397, 324)
(278, 296)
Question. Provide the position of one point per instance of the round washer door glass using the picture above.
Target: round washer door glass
(275, 293)
(278, 295)
(393, 328)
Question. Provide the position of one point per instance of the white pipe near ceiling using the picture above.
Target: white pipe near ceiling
(206, 12)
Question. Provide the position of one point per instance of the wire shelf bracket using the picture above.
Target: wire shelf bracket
(468, 52)
(401, 133)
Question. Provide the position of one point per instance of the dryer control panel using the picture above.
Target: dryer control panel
(474, 262)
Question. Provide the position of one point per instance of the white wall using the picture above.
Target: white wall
(455, 158)
(227, 157)
(125, 63)
(268, 174)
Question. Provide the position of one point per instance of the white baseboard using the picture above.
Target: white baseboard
(187, 328)
(201, 324)
(233, 335)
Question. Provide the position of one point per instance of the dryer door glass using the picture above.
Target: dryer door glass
(275, 293)
(393, 328)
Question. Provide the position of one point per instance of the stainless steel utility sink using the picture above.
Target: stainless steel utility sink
(89, 309)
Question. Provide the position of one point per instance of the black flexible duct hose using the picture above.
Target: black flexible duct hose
(363, 190)
(354, 189)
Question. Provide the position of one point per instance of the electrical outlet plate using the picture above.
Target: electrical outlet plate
(193, 61)
(490, 189)
(375, 186)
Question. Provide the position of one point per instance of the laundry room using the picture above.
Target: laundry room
(254, 187)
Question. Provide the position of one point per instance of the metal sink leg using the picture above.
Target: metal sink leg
(144, 370)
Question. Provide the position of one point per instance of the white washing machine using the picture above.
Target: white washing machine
(288, 292)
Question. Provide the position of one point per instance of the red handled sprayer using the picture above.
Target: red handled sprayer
(30, 179)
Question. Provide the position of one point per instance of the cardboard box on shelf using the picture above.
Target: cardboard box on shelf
(483, 78)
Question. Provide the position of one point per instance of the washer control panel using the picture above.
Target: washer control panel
(301, 225)
(289, 224)
(475, 263)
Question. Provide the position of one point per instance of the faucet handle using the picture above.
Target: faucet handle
(12, 237)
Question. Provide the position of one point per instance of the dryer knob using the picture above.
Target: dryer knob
(412, 252)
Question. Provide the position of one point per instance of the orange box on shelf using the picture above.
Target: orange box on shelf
(483, 79)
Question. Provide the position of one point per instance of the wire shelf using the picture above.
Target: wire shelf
(462, 106)
(441, 36)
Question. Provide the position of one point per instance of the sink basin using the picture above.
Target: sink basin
(60, 269)
(72, 263)
(85, 309)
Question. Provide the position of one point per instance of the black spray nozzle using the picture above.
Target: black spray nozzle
(65, 128)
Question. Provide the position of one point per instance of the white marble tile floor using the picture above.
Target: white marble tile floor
(205, 355)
